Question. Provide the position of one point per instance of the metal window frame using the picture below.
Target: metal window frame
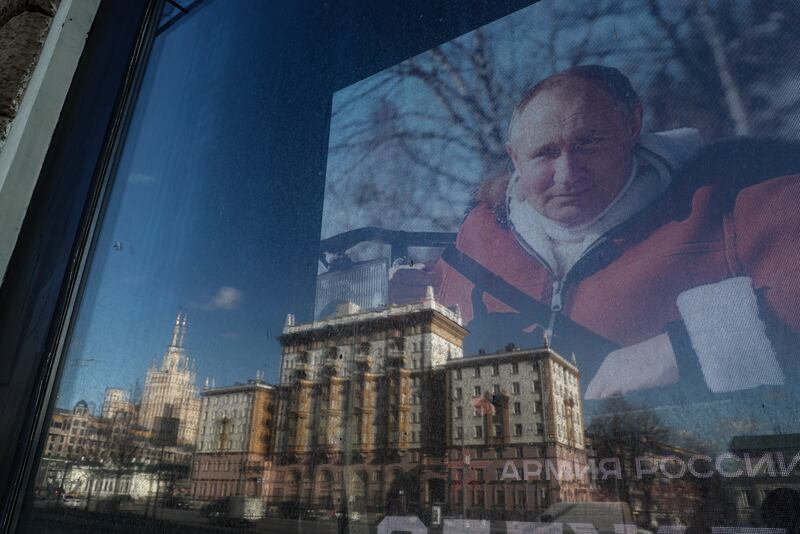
(40, 287)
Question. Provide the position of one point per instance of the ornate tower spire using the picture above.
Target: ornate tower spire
(183, 330)
(176, 332)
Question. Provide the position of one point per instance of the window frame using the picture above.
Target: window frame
(44, 273)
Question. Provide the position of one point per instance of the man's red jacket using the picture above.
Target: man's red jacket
(720, 219)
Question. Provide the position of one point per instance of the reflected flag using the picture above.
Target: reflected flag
(484, 404)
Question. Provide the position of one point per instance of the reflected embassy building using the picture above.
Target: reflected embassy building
(380, 410)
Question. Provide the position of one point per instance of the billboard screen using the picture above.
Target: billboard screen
(614, 179)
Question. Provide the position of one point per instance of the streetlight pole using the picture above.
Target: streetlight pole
(463, 477)
(88, 490)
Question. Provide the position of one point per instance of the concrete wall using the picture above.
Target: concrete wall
(41, 42)
(23, 28)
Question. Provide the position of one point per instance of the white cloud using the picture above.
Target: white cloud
(227, 298)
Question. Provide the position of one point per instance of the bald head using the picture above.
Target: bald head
(607, 80)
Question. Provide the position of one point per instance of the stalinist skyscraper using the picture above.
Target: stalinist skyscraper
(170, 402)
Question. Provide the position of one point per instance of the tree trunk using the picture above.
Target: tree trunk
(733, 96)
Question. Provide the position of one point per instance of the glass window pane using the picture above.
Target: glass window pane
(559, 248)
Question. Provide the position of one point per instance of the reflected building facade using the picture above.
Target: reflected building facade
(117, 400)
(234, 441)
(375, 410)
(360, 411)
(93, 456)
(515, 431)
(170, 395)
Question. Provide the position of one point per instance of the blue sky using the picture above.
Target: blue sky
(202, 216)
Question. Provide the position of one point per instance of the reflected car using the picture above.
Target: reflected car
(218, 508)
(115, 504)
(177, 502)
(72, 501)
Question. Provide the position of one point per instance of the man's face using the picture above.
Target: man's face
(572, 149)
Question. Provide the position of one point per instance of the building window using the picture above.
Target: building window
(515, 388)
(459, 432)
(458, 374)
(459, 412)
(539, 428)
(479, 475)
(517, 430)
(476, 412)
(498, 430)
(517, 408)
(537, 406)
(458, 394)
(495, 369)
(515, 368)
(496, 389)
(476, 391)
(478, 432)
(520, 452)
(498, 473)
(476, 372)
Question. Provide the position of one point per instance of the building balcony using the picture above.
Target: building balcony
(364, 360)
(302, 368)
(396, 356)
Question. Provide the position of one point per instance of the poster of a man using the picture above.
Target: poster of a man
(620, 203)
(590, 222)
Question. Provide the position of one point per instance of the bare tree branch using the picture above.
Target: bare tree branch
(686, 56)
(425, 164)
(733, 95)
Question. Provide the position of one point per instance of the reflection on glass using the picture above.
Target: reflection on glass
(548, 289)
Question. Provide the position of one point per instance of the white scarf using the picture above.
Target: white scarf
(560, 247)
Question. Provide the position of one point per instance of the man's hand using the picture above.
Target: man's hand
(644, 365)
